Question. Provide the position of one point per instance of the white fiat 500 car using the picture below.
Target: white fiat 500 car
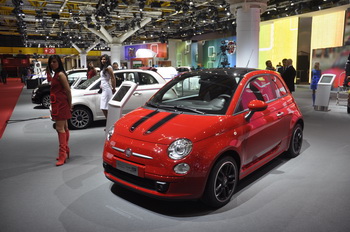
(86, 96)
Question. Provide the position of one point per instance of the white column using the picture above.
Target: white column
(247, 29)
(83, 60)
(116, 50)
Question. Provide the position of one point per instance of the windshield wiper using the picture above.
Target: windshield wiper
(152, 104)
(181, 107)
(174, 107)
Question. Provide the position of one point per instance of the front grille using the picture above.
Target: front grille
(135, 180)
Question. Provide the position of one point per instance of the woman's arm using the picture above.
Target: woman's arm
(113, 81)
(64, 81)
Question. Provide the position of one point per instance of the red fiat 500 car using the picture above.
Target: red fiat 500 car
(203, 132)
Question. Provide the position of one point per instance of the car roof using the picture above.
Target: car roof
(132, 70)
(234, 72)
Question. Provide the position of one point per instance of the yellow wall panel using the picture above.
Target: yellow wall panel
(278, 40)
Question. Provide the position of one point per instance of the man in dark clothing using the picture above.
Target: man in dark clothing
(282, 68)
(289, 75)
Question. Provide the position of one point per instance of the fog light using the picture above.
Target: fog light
(182, 168)
(162, 187)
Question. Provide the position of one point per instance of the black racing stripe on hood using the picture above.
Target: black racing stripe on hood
(140, 121)
(160, 123)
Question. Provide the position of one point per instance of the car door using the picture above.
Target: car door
(266, 129)
(95, 99)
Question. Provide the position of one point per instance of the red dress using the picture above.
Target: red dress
(60, 108)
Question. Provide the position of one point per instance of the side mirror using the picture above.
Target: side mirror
(254, 106)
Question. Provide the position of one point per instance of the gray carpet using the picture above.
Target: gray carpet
(308, 193)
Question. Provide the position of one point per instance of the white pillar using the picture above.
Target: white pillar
(83, 60)
(116, 50)
(247, 29)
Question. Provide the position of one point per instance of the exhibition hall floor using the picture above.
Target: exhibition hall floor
(310, 193)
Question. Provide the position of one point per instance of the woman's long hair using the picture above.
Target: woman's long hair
(90, 67)
(60, 64)
(104, 66)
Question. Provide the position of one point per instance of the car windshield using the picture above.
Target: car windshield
(203, 93)
(88, 82)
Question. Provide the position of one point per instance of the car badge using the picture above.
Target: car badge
(128, 152)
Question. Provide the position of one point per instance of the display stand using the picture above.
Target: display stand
(323, 92)
(118, 101)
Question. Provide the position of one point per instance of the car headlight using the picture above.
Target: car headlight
(110, 133)
(179, 149)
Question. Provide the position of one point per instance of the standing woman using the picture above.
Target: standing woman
(108, 88)
(91, 72)
(61, 104)
(315, 77)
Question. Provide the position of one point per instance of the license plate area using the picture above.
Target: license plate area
(128, 168)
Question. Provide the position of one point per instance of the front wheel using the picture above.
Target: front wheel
(45, 101)
(81, 118)
(296, 141)
(222, 183)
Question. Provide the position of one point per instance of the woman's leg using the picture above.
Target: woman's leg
(62, 139)
(105, 112)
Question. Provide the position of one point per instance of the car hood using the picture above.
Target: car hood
(163, 127)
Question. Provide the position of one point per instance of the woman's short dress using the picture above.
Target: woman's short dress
(106, 89)
(60, 108)
(315, 77)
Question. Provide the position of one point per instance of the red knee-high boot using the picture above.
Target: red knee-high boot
(67, 147)
(62, 155)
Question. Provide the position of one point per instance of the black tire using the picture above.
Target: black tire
(45, 101)
(222, 183)
(81, 118)
(348, 109)
(296, 141)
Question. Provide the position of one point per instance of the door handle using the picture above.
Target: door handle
(279, 114)
(136, 94)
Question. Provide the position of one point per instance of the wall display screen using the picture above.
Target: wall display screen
(327, 30)
(278, 40)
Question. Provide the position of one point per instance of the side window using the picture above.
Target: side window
(96, 86)
(147, 79)
(119, 78)
(130, 77)
(279, 88)
(260, 88)
(265, 88)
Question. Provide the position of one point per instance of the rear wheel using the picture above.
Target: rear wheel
(222, 183)
(81, 118)
(296, 141)
(348, 109)
(45, 101)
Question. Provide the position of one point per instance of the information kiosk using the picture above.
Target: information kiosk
(323, 92)
(118, 101)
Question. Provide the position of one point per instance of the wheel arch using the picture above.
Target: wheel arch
(230, 152)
